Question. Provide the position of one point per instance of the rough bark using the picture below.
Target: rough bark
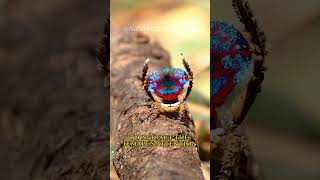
(128, 109)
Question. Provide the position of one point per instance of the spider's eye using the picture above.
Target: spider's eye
(167, 77)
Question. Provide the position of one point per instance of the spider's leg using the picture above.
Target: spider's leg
(257, 37)
(144, 78)
(144, 72)
(152, 113)
(182, 109)
(257, 41)
(234, 145)
(190, 75)
(215, 136)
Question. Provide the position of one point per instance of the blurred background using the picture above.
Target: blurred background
(180, 26)
(52, 99)
(284, 122)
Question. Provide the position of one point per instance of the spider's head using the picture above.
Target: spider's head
(169, 86)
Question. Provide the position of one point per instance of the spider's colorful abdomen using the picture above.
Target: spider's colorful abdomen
(169, 85)
(231, 62)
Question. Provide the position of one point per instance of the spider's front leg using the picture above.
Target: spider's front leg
(215, 137)
(183, 108)
(153, 112)
(144, 78)
(257, 40)
(233, 145)
(190, 75)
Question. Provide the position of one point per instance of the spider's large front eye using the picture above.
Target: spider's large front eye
(168, 86)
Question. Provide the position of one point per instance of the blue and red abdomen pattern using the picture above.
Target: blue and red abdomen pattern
(230, 58)
(168, 83)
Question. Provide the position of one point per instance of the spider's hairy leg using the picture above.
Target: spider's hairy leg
(257, 40)
(183, 108)
(144, 72)
(190, 75)
(216, 136)
(153, 112)
(234, 146)
(144, 78)
(257, 37)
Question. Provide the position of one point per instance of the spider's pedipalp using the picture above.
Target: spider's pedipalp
(190, 75)
(144, 78)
